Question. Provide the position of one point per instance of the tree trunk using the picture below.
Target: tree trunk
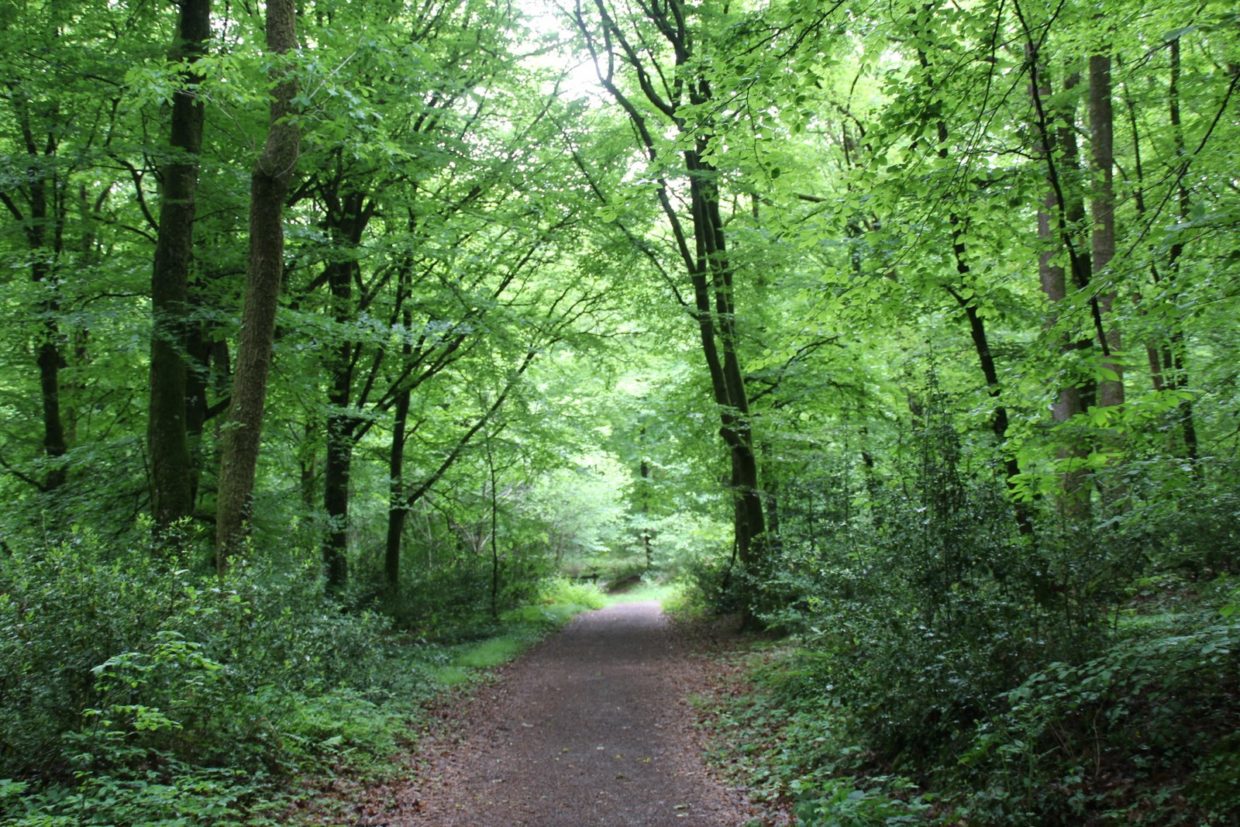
(711, 276)
(1051, 233)
(647, 549)
(346, 220)
(1179, 375)
(494, 533)
(172, 475)
(702, 249)
(269, 185)
(339, 433)
(397, 508)
(977, 332)
(44, 253)
(1101, 121)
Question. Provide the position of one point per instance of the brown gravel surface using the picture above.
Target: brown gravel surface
(591, 727)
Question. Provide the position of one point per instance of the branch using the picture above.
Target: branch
(448, 461)
(29, 480)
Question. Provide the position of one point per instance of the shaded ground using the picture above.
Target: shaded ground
(591, 727)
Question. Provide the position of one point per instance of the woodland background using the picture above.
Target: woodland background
(338, 334)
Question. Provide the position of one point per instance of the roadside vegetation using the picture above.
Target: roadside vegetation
(142, 694)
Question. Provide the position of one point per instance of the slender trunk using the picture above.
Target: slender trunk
(712, 282)
(977, 331)
(306, 461)
(43, 226)
(340, 437)
(89, 256)
(269, 186)
(1101, 122)
(644, 470)
(50, 359)
(397, 509)
(494, 533)
(1069, 401)
(1179, 375)
(336, 499)
(702, 250)
(206, 373)
(172, 476)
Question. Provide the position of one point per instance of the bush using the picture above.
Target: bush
(1146, 732)
(148, 685)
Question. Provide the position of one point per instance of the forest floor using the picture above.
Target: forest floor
(593, 726)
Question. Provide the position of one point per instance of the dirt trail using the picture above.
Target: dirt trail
(591, 727)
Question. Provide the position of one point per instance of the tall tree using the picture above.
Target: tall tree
(1068, 402)
(172, 475)
(269, 186)
(1102, 146)
(678, 96)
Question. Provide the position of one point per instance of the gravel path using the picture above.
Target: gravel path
(591, 727)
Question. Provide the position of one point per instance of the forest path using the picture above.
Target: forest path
(590, 727)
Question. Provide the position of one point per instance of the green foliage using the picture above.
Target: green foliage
(885, 193)
(135, 690)
(156, 689)
(840, 804)
(1145, 733)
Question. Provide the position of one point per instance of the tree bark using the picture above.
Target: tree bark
(494, 482)
(977, 331)
(347, 217)
(1174, 360)
(1101, 122)
(336, 472)
(398, 510)
(45, 212)
(172, 473)
(269, 185)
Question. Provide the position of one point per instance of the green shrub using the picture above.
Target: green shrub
(131, 684)
(1145, 732)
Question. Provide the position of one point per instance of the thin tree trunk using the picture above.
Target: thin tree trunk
(981, 343)
(1101, 122)
(1179, 375)
(44, 253)
(172, 474)
(269, 186)
(702, 249)
(712, 286)
(1068, 402)
(398, 510)
(339, 433)
(644, 471)
(336, 499)
(50, 360)
(494, 533)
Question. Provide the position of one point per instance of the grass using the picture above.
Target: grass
(664, 593)
(560, 601)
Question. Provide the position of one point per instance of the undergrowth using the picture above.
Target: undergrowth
(1143, 733)
(136, 691)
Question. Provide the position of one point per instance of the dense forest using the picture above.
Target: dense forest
(339, 333)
